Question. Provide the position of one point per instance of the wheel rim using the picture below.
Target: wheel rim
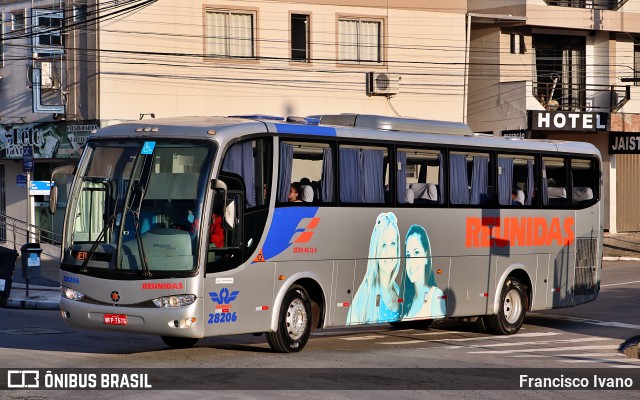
(512, 306)
(296, 319)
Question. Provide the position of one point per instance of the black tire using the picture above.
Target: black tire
(421, 324)
(179, 342)
(294, 322)
(511, 311)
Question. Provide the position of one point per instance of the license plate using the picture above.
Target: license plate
(115, 319)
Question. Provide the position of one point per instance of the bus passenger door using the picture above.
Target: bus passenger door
(343, 291)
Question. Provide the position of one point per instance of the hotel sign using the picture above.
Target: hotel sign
(568, 121)
(624, 143)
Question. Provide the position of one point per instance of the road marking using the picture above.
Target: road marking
(434, 333)
(618, 284)
(600, 347)
(532, 334)
(592, 355)
(588, 321)
(589, 339)
(366, 337)
(404, 342)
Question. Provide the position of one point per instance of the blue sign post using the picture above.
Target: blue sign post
(27, 158)
(40, 188)
(21, 181)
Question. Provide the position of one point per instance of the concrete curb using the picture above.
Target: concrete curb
(40, 297)
(33, 303)
(620, 258)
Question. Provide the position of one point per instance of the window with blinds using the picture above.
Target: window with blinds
(359, 41)
(230, 33)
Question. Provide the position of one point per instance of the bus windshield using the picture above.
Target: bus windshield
(136, 207)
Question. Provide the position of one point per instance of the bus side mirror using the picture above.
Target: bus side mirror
(53, 199)
(220, 201)
(230, 215)
(53, 195)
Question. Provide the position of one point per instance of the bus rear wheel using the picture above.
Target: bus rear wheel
(179, 342)
(294, 322)
(511, 310)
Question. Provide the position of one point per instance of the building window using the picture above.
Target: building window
(17, 20)
(230, 33)
(359, 41)
(300, 42)
(47, 32)
(517, 43)
(561, 72)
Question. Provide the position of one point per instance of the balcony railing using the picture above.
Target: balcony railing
(592, 4)
(581, 98)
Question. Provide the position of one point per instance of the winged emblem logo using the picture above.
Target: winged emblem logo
(224, 297)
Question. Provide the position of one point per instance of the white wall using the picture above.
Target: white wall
(420, 46)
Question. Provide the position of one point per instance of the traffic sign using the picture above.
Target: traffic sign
(40, 188)
(27, 158)
(21, 181)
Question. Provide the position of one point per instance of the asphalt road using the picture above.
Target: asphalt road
(337, 363)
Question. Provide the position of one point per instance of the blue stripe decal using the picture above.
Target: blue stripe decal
(306, 129)
(285, 223)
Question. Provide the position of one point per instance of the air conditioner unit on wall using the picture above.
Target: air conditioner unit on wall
(382, 84)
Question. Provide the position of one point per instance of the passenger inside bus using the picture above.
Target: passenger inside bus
(216, 232)
(517, 197)
(307, 194)
(295, 192)
(183, 218)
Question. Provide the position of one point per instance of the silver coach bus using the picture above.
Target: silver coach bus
(194, 227)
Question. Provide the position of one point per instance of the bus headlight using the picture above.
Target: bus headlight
(175, 301)
(71, 294)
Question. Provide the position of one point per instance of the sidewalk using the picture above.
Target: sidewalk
(44, 292)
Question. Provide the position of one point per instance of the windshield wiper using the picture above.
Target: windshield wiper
(96, 242)
(139, 190)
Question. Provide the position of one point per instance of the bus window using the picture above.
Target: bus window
(554, 185)
(251, 160)
(420, 177)
(585, 180)
(364, 174)
(516, 180)
(309, 168)
(469, 178)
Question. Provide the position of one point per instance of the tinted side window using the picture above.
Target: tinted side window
(585, 177)
(364, 175)
(306, 173)
(470, 179)
(420, 179)
(554, 182)
(517, 177)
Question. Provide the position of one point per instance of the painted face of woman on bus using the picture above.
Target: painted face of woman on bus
(388, 255)
(416, 259)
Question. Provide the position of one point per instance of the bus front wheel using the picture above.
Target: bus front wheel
(511, 309)
(294, 322)
(179, 342)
